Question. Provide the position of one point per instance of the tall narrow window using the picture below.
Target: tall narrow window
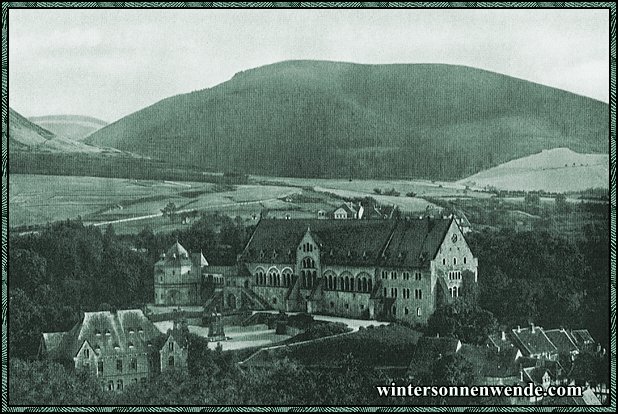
(170, 361)
(418, 311)
(171, 346)
(119, 365)
(100, 367)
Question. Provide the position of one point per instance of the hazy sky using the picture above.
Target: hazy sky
(109, 63)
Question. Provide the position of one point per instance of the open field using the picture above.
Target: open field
(38, 199)
(555, 170)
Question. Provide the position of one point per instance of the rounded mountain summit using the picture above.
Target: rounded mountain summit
(331, 119)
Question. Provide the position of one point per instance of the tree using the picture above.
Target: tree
(28, 269)
(562, 206)
(462, 320)
(453, 369)
(170, 211)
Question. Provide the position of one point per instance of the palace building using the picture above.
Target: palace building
(393, 269)
(399, 269)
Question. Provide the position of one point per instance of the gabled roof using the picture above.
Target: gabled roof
(582, 337)
(389, 243)
(488, 362)
(108, 334)
(561, 339)
(52, 341)
(348, 209)
(533, 341)
(177, 251)
(500, 340)
(199, 260)
(536, 374)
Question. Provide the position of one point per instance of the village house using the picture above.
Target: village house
(119, 348)
(348, 211)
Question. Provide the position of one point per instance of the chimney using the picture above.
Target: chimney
(532, 327)
(438, 335)
(503, 336)
(518, 329)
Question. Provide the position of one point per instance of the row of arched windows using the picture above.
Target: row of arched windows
(308, 263)
(455, 275)
(348, 283)
(274, 278)
(307, 247)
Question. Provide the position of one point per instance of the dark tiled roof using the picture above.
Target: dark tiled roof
(496, 340)
(534, 341)
(560, 338)
(109, 334)
(582, 337)
(388, 243)
(489, 363)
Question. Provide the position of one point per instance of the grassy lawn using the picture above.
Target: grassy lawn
(381, 346)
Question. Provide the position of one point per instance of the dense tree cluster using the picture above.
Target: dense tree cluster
(545, 278)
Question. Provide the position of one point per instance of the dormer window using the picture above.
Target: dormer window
(141, 330)
(108, 333)
(87, 353)
(131, 346)
(131, 330)
(261, 254)
(117, 347)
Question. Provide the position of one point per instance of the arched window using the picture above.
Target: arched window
(454, 260)
(444, 261)
(170, 361)
(308, 263)
(465, 260)
(346, 283)
(330, 282)
(119, 385)
(385, 295)
(364, 284)
(352, 283)
(406, 311)
(394, 310)
(287, 277)
(369, 285)
(418, 311)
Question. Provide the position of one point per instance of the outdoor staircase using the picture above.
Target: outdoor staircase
(257, 302)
